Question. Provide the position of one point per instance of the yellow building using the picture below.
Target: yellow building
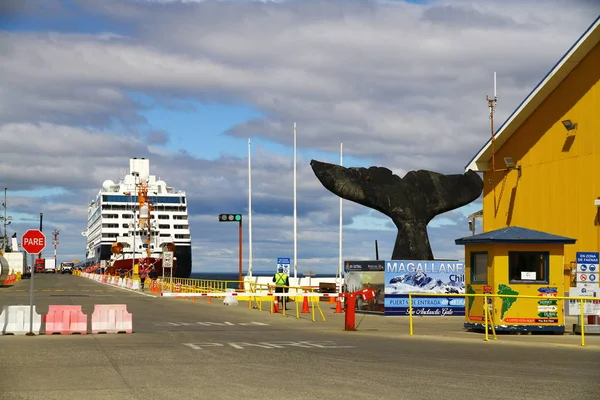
(541, 169)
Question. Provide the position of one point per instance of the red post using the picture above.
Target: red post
(240, 278)
(350, 317)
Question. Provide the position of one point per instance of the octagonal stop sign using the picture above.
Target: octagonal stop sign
(33, 241)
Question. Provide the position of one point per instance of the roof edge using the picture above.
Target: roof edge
(473, 163)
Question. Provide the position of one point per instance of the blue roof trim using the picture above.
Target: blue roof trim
(515, 235)
(535, 88)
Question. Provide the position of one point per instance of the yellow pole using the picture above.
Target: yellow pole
(582, 322)
(485, 308)
(410, 315)
(491, 312)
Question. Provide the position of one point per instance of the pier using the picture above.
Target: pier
(199, 349)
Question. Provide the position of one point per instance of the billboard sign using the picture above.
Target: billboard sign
(364, 266)
(433, 277)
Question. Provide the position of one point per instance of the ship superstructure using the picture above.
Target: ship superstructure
(136, 219)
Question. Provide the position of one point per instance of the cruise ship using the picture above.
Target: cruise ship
(135, 220)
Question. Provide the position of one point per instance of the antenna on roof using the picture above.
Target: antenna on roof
(492, 105)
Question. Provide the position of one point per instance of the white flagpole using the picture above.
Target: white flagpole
(340, 262)
(295, 213)
(249, 209)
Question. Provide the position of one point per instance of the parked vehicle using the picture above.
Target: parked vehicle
(66, 267)
(39, 266)
(17, 263)
(50, 265)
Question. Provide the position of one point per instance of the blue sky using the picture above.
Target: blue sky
(402, 84)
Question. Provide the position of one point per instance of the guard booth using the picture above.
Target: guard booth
(515, 261)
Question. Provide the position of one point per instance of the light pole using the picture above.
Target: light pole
(41, 219)
(5, 239)
(55, 243)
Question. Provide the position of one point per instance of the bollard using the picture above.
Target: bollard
(350, 317)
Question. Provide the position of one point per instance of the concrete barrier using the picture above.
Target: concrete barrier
(111, 318)
(65, 320)
(14, 320)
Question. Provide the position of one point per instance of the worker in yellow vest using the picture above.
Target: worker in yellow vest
(281, 283)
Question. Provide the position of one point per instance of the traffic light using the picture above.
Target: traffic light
(230, 217)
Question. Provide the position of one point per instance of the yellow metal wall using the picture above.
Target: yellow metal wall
(560, 172)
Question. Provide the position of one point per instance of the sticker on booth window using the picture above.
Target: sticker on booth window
(528, 276)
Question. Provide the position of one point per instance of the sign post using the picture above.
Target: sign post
(33, 242)
(167, 262)
(284, 263)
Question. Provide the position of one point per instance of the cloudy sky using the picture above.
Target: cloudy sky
(88, 84)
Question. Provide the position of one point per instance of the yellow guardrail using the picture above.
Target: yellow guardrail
(256, 295)
(488, 317)
(210, 285)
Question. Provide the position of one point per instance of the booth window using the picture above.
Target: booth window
(479, 267)
(528, 266)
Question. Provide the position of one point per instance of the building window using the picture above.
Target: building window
(479, 267)
(528, 266)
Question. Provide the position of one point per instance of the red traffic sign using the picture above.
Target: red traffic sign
(33, 241)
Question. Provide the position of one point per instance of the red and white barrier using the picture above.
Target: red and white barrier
(111, 318)
(65, 320)
(14, 320)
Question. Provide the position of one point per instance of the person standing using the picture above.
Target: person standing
(281, 284)
(143, 275)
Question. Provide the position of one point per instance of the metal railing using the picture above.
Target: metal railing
(488, 319)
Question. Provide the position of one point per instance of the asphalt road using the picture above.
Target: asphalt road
(184, 349)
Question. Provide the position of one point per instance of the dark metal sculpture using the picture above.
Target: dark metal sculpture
(411, 202)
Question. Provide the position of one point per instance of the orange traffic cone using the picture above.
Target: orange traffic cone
(331, 300)
(275, 306)
(338, 306)
(305, 308)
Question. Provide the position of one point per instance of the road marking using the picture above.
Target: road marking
(270, 345)
(200, 323)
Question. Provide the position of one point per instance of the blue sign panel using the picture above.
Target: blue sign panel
(587, 257)
(433, 277)
(284, 262)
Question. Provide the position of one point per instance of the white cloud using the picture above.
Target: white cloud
(400, 83)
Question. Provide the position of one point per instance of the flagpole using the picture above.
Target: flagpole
(295, 213)
(4, 239)
(340, 261)
(249, 209)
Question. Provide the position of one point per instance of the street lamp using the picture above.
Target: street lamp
(55, 243)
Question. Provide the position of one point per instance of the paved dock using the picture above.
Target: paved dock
(185, 349)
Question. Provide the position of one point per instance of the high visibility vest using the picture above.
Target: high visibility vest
(280, 279)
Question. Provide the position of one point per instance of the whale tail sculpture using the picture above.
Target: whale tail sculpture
(411, 202)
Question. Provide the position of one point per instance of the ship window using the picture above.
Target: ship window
(163, 226)
(479, 267)
(163, 216)
(528, 266)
